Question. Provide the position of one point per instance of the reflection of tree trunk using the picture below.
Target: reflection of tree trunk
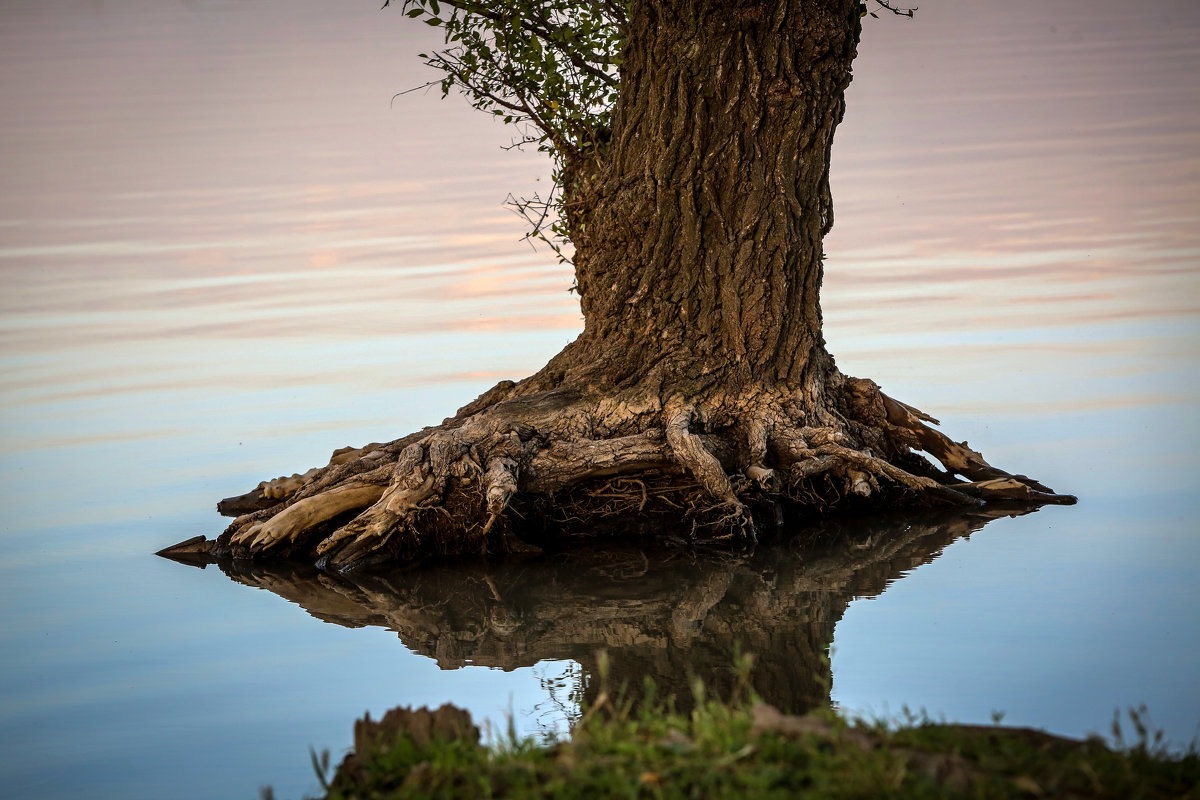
(667, 617)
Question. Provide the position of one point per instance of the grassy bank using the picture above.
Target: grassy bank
(744, 749)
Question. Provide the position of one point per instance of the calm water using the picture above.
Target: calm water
(224, 253)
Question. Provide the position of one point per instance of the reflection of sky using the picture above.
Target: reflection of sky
(223, 254)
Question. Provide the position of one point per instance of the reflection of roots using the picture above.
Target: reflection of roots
(668, 613)
(539, 466)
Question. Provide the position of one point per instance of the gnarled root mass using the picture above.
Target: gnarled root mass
(515, 471)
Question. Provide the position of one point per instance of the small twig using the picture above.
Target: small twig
(899, 12)
(410, 91)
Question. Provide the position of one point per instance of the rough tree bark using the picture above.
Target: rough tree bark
(700, 400)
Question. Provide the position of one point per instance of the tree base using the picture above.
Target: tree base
(522, 470)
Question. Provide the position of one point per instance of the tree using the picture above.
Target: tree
(691, 141)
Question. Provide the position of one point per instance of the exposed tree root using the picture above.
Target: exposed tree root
(510, 471)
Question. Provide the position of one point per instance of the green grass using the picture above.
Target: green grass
(739, 749)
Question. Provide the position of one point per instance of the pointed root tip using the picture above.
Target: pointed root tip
(1044, 494)
(195, 552)
(254, 500)
(196, 544)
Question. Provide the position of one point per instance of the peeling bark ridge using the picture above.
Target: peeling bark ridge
(699, 403)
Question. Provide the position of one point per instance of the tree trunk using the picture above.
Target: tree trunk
(698, 230)
(699, 401)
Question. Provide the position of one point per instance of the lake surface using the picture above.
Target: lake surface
(225, 251)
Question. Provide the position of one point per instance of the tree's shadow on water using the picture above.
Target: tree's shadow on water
(667, 615)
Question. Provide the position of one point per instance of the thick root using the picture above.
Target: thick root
(757, 438)
(305, 515)
(269, 493)
(501, 479)
(691, 453)
(907, 426)
(715, 463)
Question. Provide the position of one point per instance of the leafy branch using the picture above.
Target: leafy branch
(551, 65)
